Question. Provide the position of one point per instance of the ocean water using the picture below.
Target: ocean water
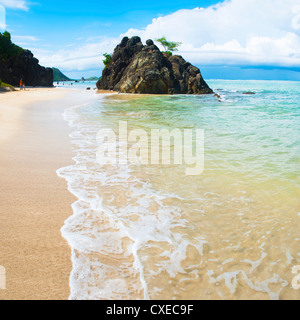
(149, 231)
(76, 85)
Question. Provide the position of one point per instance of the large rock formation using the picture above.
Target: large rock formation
(136, 68)
(25, 66)
(17, 63)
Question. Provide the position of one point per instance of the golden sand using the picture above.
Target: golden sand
(34, 201)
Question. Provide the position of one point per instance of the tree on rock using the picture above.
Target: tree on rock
(169, 46)
(107, 59)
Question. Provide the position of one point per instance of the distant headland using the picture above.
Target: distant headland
(59, 76)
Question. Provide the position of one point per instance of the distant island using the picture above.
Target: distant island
(17, 63)
(92, 79)
(59, 76)
(135, 68)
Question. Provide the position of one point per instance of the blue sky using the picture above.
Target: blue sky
(98, 16)
(232, 39)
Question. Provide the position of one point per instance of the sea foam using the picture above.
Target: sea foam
(106, 237)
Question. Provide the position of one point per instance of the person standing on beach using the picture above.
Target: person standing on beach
(21, 84)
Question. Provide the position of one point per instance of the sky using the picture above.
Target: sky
(228, 39)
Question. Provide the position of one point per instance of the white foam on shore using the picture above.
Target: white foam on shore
(115, 232)
(232, 282)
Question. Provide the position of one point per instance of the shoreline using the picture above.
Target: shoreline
(34, 201)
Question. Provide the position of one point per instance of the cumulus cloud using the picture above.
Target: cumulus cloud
(233, 32)
(14, 4)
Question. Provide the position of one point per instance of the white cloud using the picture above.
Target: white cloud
(88, 56)
(233, 32)
(14, 4)
(25, 38)
(2, 18)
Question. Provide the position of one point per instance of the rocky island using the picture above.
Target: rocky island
(138, 68)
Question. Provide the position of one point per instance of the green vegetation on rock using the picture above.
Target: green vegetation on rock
(7, 48)
(169, 46)
(6, 85)
(107, 59)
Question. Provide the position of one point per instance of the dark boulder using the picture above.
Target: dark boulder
(25, 66)
(136, 68)
(188, 76)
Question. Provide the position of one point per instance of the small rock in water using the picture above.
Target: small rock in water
(218, 96)
(249, 92)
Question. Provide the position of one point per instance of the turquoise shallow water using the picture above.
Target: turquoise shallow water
(151, 231)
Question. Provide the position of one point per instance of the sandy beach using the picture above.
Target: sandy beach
(34, 201)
